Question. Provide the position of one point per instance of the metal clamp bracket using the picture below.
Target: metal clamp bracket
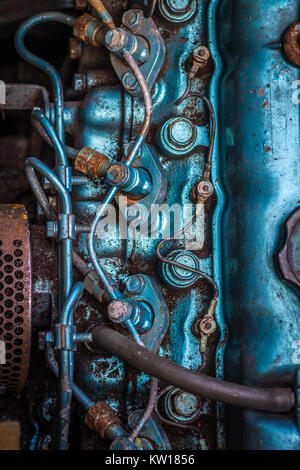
(135, 22)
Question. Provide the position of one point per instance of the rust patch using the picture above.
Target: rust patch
(100, 417)
(291, 44)
(15, 295)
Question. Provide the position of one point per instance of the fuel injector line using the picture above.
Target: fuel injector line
(148, 411)
(166, 260)
(102, 13)
(38, 117)
(211, 110)
(83, 399)
(66, 370)
(33, 164)
(65, 280)
(111, 289)
(276, 400)
(44, 126)
(65, 245)
(43, 64)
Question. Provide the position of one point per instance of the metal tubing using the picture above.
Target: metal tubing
(267, 399)
(132, 154)
(66, 371)
(39, 117)
(103, 14)
(43, 64)
(38, 191)
(39, 166)
(65, 280)
(74, 296)
(77, 392)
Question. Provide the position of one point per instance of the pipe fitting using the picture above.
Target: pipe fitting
(101, 418)
(134, 181)
(92, 163)
(90, 30)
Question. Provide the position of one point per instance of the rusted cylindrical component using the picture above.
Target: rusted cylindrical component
(101, 418)
(91, 162)
(291, 44)
(102, 12)
(90, 30)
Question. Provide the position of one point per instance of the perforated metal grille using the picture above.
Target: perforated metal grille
(15, 295)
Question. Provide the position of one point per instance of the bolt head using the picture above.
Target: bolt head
(181, 132)
(119, 311)
(186, 404)
(115, 39)
(177, 11)
(129, 81)
(205, 189)
(178, 6)
(201, 55)
(116, 173)
(134, 284)
(131, 18)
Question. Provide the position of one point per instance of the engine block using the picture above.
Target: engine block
(161, 282)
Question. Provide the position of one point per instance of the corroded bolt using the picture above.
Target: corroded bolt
(178, 6)
(131, 18)
(129, 81)
(116, 173)
(115, 39)
(101, 418)
(186, 404)
(181, 132)
(201, 55)
(204, 189)
(119, 311)
(207, 326)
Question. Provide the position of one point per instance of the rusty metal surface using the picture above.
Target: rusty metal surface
(20, 96)
(100, 417)
(291, 43)
(15, 295)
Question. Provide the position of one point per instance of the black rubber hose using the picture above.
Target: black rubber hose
(276, 400)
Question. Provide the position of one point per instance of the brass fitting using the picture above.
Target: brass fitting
(207, 325)
(201, 56)
(202, 191)
(92, 163)
(90, 30)
(101, 417)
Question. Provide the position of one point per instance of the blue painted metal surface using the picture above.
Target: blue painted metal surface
(256, 177)
(107, 120)
(259, 168)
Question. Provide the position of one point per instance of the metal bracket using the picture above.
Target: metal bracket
(135, 22)
(148, 160)
(144, 289)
